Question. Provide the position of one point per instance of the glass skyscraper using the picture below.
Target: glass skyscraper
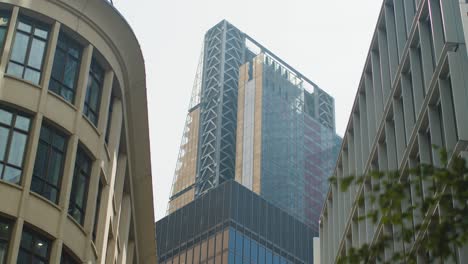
(255, 119)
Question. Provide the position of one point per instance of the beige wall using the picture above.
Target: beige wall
(126, 222)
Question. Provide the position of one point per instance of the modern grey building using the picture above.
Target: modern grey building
(232, 225)
(255, 119)
(413, 94)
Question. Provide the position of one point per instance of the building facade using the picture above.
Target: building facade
(75, 173)
(255, 119)
(231, 224)
(412, 95)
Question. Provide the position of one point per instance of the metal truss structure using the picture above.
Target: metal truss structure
(223, 55)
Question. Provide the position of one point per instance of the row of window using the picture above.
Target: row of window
(49, 163)
(27, 60)
(34, 247)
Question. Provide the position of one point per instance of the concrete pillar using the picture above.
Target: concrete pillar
(408, 104)
(448, 114)
(417, 79)
(399, 129)
(372, 122)
(427, 56)
(364, 129)
(384, 64)
(377, 83)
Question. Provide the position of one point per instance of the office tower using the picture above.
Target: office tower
(231, 224)
(75, 178)
(255, 119)
(412, 95)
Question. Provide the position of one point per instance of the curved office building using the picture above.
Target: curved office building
(75, 180)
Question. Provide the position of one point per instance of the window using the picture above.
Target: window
(34, 248)
(96, 211)
(14, 129)
(66, 68)
(48, 168)
(93, 92)
(28, 50)
(4, 21)
(5, 232)
(80, 184)
(68, 258)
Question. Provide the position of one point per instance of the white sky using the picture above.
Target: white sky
(325, 40)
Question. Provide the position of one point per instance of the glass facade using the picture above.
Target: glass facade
(231, 224)
(79, 191)
(28, 50)
(14, 129)
(48, 168)
(66, 67)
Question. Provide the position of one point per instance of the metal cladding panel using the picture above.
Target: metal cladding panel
(208, 217)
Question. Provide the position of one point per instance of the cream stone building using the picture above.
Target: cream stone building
(75, 172)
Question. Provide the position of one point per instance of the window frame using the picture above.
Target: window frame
(45, 181)
(93, 77)
(31, 253)
(70, 44)
(11, 130)
(33, 23)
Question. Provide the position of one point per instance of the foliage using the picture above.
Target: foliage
(423, 209)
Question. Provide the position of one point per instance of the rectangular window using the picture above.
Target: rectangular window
(67, 258)
(80, 185)
(5, 232)
(14, 128)
(93, 92)
(48, 167)
(66, 68)
(34, 248)
(28, 50)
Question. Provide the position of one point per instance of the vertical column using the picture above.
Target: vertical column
(410, 10)
(408, 104)
(49, 57)
(391, 40)
(336, 233)
(417, 80)
(341, 203)
(384, 64)
(448, 115)
(362, 223)
(425, 39)
(391, 145)
(377, 83)
(104, 106)
(81, 86)
(352, 165)
(364, 129)
(425, 158)
(357, 145)
(330, 230)
(399, 128)
(437, 27)
(130, 253)
(347, 194)
(372, 122)
(435, 125)
(368, 208)
(8, 45)
(400, 25)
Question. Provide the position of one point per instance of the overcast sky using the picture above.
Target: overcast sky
(325, 40)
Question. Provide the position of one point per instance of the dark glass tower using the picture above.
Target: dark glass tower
(256, 120)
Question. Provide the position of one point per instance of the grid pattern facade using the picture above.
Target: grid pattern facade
(412, 95)
(231, 224)
(285, 150)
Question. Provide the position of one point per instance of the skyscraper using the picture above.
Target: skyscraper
(255, 119)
